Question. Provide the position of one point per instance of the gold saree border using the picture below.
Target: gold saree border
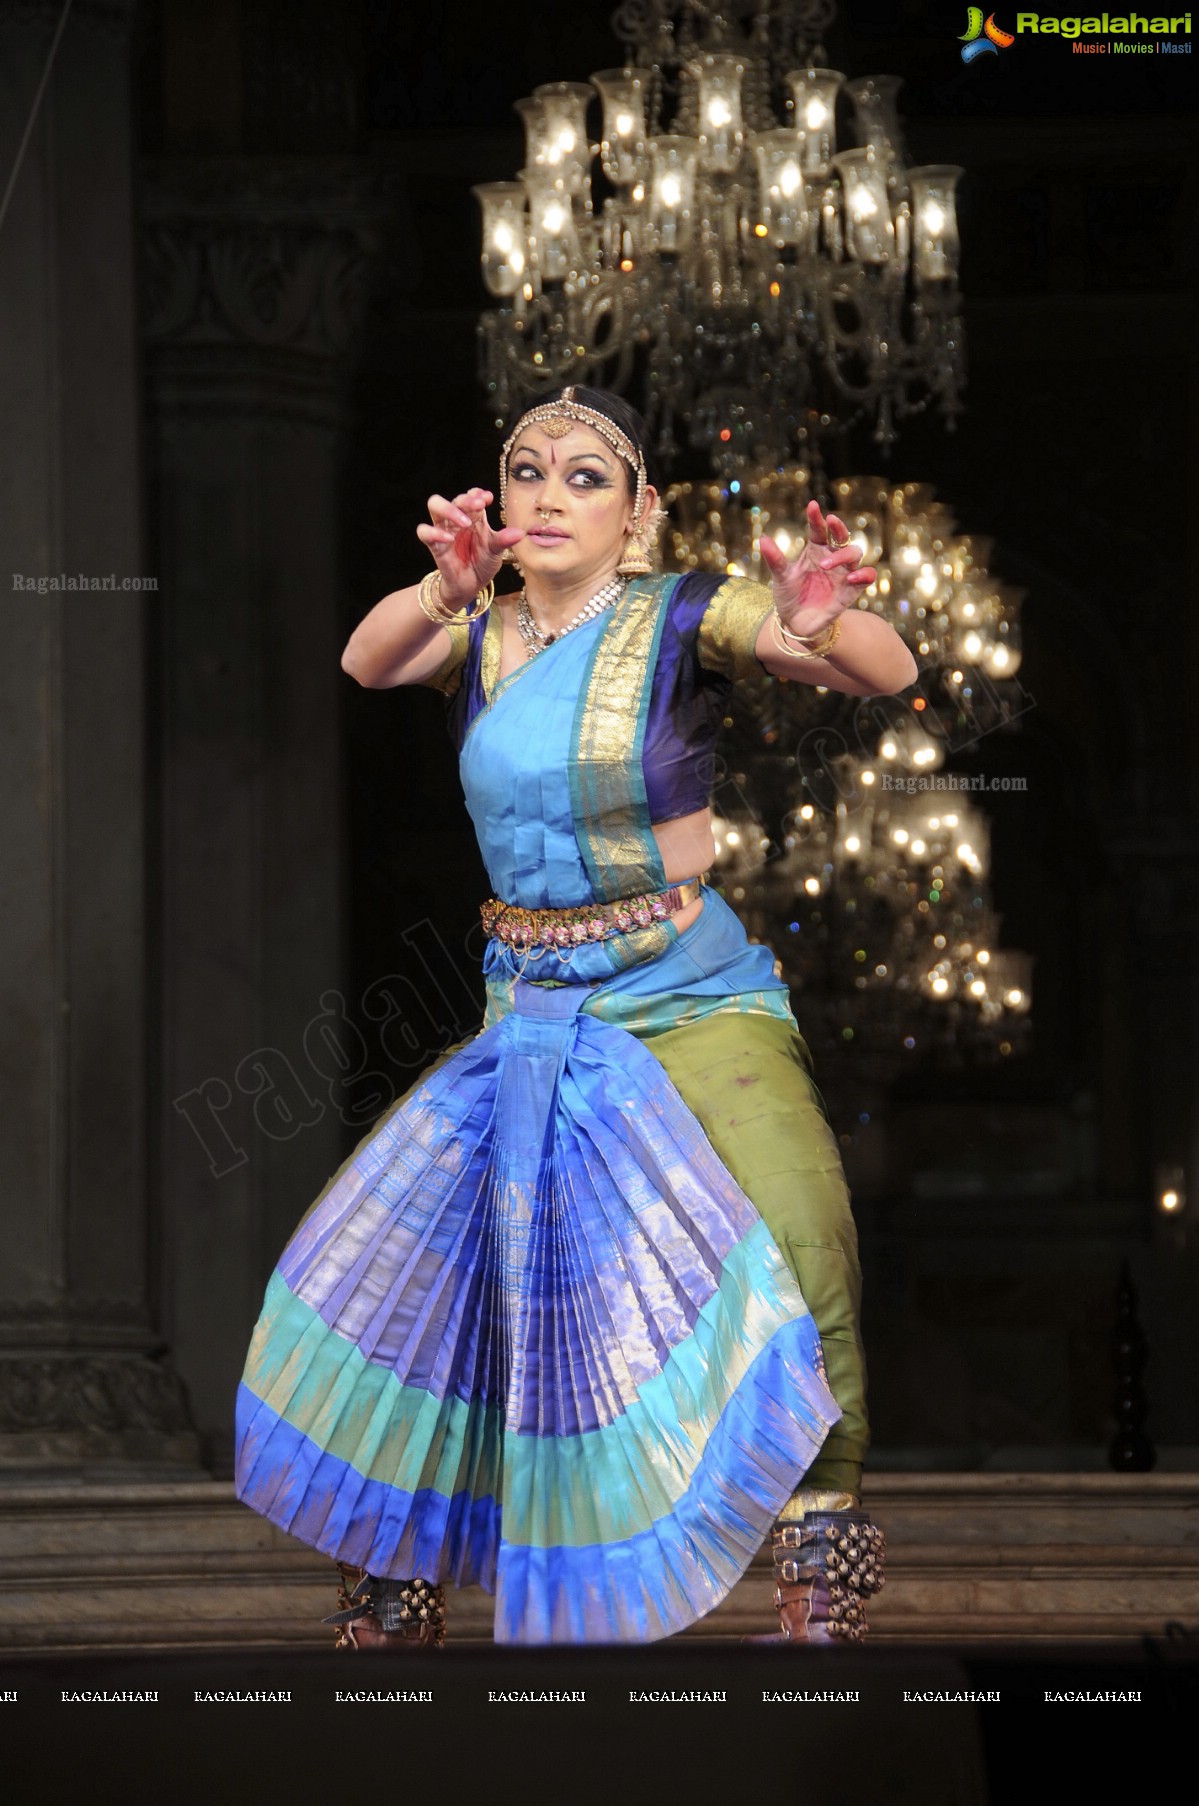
(611, 809)
(490, 653)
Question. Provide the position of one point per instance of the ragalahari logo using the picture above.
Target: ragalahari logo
(979, 38)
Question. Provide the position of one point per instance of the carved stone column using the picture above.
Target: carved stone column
(82, 1374)
(253, 271)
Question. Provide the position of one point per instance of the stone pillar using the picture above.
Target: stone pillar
(250, 298)
(82, 1373)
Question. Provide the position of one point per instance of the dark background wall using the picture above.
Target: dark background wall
(305, 305)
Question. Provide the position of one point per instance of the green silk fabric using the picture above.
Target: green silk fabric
(747, 1078)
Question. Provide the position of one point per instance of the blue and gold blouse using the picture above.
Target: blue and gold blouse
(700, 631)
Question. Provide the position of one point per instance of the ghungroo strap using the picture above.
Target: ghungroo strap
(412, 1611)
(832, 1561)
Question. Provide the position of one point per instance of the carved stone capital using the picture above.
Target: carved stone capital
(254, 282)
(266, 255)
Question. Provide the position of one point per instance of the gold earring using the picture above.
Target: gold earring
(636, 561)
(638, 553)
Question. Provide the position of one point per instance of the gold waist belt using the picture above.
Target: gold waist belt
(589, 921)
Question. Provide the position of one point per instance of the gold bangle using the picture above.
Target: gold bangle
(430, 598)
(810, 642)
(778, 628)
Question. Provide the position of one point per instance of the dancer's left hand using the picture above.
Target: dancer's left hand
(810, 591)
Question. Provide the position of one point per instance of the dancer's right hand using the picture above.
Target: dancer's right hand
(467, 549)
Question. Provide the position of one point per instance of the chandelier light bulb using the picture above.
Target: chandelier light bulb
(782, 199)
(814, 101)
(553, 238)
(870, 231)
(622, 134)
(718, 75)
(935, 247)
(505, 231)
(673, 164)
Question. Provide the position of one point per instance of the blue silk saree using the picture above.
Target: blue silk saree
(534, 1335)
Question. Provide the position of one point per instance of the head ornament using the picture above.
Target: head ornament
(556, 418)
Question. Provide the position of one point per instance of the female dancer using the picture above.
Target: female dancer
(578, 1319)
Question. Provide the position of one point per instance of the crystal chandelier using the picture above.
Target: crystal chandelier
(754, 281)
(880, 913)
(933, 586)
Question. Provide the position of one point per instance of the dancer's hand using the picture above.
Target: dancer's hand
(466, 548)
(810, 591)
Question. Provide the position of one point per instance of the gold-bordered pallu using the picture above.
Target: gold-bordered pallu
(519, 927)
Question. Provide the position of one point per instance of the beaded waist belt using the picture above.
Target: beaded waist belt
(589, 921)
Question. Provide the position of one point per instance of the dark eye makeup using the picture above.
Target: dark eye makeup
(596, 479)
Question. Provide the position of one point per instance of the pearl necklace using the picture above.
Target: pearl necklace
(537, 641)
